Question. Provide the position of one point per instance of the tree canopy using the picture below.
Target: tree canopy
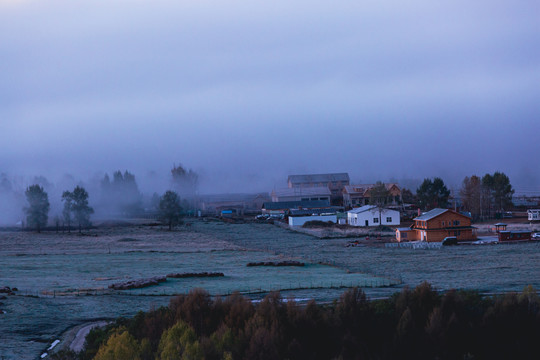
(379, 195)
(500, 190)
(121, 195)
(419, 323)
(170, 211)
(76, 204)
(37, 211)
(184, 181)
(472, 195)
(433, 194)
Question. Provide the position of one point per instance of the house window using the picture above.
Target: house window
(388, 219)
(456, 222)
(375, 220)
(404, 235)
(442, 223)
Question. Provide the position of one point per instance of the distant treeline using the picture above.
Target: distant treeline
(412, 324)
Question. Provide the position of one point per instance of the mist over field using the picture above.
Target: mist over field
(247, 93)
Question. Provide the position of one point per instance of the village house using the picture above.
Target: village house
(533, 214)
(358, 195)
(370, 215)
(334, 182)
(435, 225)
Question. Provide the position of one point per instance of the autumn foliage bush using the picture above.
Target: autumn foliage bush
(415, 323)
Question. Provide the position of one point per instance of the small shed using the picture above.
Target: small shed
(405, 234)
(500, 227)
(521, 235)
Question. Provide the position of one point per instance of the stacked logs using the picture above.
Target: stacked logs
(137, 284)
(141, 283)
(191, 275)
(272, 263)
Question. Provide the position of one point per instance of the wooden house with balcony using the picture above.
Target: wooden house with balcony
(435, 225)
(359, 195)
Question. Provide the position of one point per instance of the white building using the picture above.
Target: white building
(368, 215)
(533, 214)
(301, 220)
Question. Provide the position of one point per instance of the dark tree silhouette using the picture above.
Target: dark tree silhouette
(170, 211)
(500, 190)
(81, 209)
(433, 194)
(76, 204)
(37, 213)
(379, 196)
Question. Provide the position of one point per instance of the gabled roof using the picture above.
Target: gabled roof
(436, 212)
(363, 188)
(318, 178)
(365, 208)
(362, 209)
(431, 214)
(280, 205)
(297, 212)
(306, 191)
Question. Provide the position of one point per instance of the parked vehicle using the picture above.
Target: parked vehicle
(535, 236)
(449, 240)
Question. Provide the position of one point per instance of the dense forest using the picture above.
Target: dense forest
(418, 323)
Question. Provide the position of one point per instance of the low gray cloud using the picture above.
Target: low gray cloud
(247, 93)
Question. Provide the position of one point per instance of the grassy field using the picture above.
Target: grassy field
(63, 279)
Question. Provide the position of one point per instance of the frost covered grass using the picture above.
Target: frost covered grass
(66, 271)
(63, 279)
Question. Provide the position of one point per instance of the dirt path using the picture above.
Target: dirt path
(74, 338)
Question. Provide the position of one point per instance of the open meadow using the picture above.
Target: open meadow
(63, 279)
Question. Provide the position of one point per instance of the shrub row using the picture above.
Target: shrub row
(413, 324)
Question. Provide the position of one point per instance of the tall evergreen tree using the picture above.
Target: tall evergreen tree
(500, 190)
(433, 194)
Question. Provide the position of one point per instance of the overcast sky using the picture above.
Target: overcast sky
(247, 92)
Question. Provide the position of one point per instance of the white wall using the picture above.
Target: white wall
(301, 220)
(370, 215)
